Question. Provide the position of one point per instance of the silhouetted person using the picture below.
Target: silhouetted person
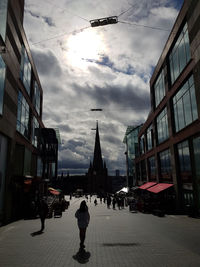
(108, 202)
(113, 203)
(83, 218)
(43, 211)
(95, 202)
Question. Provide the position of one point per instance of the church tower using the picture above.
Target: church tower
(97, 172)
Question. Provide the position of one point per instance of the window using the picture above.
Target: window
(159, 88)
(2, 82)
(165, 162)
(149, 138)
(39, 167)
(36, 99)
(184, 104)
(23, 116)
(34, 132)
(25, 71)
(184, 156)
(162, 126)
(142, 144)
(152, 166)
(3, 18)
(180, 54)
(143, 170)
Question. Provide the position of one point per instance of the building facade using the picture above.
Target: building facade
(21, 97)
(169, 141)
(132, 151)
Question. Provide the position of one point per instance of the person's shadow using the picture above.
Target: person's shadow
(37, 233)
(82, 256)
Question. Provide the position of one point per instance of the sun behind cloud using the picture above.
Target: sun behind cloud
(84, 47)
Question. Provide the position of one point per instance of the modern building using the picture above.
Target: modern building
(97, 172)
(170, 138)
(22, 164)
(131, 142)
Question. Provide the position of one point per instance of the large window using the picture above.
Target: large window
(184, 156)
(180, 54)
(36, 99)
(162, 126)
(2, 81)
(152, 167)
(142, 146)
(23, 116)
(3, 18)
(159, 88)
(165, 162)
(34, 132)
(25, 72)
(185, 107)
(149, 137)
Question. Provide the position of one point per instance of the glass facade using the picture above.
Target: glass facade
(143, 170)
(165, 162)
(184, 104)
(34, 136)
(23, 116)
(39, 167)
(36, 99)
(2, 82)
(180, 55)
(162, 126)
(25, 70)
(184, 157)
(159, 88)
(150, 138)
(152, 166)
(142, 146)
(3, 18)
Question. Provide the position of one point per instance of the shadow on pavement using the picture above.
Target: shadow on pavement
(82, 256)
(120, 244)
(37, 233)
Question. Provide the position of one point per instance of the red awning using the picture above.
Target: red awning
(159, 187)
(147, 185)
(54, 192)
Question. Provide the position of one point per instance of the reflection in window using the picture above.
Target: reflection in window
(184, 104)
(25, 70)
(184, 157)
(180, 54)
(159, 88)
(2, 81)
(36, 99)
(165, 162)
(149, 138)
(152, 166)
(3, 18)
(142, 150)
(35, 132)
(23, 116)
(162, 126)
(39, 167)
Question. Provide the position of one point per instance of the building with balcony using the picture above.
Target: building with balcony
(22, 164)
(169, 140)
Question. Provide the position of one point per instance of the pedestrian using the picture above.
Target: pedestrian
(83, 218)
(95, 202)
(43, 210)
(114, 202)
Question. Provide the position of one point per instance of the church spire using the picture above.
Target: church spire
(97, 160)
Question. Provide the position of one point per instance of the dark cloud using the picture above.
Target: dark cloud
(49, 21)
(124, 97)
(65, 128)
(74, 164)
(112, 139)
(46, 62)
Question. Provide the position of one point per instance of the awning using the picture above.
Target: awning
(147, 185)
(159, 187)
(54, 191)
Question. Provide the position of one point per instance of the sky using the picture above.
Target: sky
(109, 67)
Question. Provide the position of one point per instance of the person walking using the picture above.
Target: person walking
(83, 218)
(43, 210)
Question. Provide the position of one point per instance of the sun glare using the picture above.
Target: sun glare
(84, 47)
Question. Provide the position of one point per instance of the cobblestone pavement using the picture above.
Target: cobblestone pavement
(114, 238)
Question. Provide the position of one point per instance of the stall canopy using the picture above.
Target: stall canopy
(147, 185)
(159, 187)
(54, 191)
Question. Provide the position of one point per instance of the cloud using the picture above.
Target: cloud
(113, 72)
